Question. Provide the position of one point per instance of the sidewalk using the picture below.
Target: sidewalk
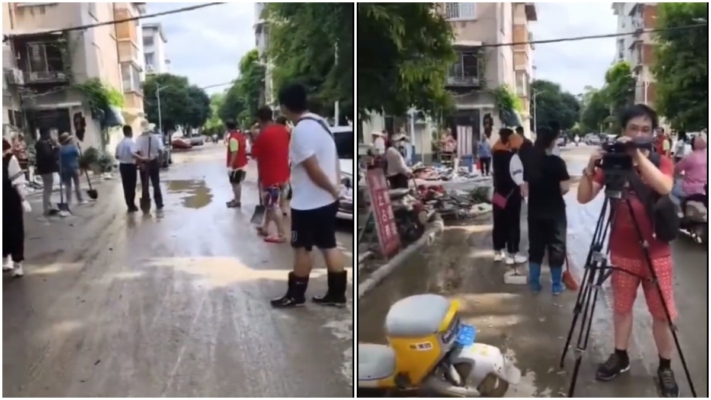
(530, 328)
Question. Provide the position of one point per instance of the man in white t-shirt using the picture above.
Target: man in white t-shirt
(315, 178)
(149, 147)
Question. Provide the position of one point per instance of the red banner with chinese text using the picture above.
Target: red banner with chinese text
(382, 211)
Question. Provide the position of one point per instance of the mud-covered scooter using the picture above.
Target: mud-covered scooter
(431, 350)
(694, 219)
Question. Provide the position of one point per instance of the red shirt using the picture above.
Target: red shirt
(271, 149)
(240, 161)
(624, 242)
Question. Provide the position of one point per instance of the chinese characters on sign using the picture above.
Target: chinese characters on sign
(383, 212)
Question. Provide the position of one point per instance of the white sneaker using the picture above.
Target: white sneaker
(499, 255)
(6, 264)
(18, 271)
(515, 259)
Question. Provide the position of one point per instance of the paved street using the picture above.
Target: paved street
(532, 328)
(117, 305)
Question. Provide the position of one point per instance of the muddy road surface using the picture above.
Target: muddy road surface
(531, 328)
(120, 305)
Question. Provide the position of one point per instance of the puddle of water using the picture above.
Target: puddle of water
(195, 194)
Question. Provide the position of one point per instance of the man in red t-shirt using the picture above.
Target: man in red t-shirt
(627, 254)
(271, 150)
(236, 162)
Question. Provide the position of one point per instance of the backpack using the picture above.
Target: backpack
(661, 209)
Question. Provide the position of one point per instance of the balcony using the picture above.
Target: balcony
(45, 77)
(133, 102)
(131, 79)
(125, 30)
(40, 59)
(128, 52)
(465, 71)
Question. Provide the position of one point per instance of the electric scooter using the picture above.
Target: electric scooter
(430, 349)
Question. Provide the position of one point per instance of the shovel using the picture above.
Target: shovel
(91, 192)
(568, 278)
(145, 201)
(259, 210)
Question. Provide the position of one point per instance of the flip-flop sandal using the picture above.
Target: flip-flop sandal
(274, 240)
(261, 232)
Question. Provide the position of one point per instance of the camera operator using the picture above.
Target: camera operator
(626, 253)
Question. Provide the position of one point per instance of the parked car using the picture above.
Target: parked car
(180, 143)
(197, 139)
(343, 136)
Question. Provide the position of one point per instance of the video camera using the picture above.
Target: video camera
(617, 163)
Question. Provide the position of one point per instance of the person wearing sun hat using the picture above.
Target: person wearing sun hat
(149, 148)
(69, 166)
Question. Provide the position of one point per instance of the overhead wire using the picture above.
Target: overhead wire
(117, 21)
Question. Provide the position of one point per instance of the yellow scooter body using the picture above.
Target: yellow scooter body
(419, 347)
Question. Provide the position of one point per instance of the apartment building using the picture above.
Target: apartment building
(45, 64)
(154, 49)
(130, 39)
(479, 69)
(261, 37)
(637, 49)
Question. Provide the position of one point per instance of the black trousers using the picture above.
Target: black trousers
(129, 178)
(13, 235)
(507, 224)
(547, 234)
(485, 165)
(398, 181)
(151, 172)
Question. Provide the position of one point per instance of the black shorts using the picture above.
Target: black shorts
(236, 177)
(315, 227)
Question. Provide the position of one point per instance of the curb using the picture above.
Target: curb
(378, 275)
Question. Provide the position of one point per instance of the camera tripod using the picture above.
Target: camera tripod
(597, 270)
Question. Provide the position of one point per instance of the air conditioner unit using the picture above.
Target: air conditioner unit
(14, 76)
(149, 68)
(34, 76)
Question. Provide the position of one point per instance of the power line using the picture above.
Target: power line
(118, 21)
(588, 37)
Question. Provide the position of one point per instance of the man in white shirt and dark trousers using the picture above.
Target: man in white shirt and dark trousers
(315, 179)
(126, 156)
(149, 148)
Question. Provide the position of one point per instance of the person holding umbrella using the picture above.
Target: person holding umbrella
(14, 205)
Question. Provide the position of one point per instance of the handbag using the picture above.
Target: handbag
(499, 200)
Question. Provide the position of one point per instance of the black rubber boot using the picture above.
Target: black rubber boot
(294, 296)
(336, 294)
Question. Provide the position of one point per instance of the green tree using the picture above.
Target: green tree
(619, 88)
(312, 43)
(681, 65)
(404, 54)
(174, 99)
(198, 108)
(553, 104)
(214, 122)
(594, 112)
(250, 85)
(232, 105)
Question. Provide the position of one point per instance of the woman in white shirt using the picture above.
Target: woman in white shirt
(682, 147)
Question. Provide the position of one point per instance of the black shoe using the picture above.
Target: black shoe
(294, 297)
(667, 383)
(336, 294)
(133, 209)
(614, 366)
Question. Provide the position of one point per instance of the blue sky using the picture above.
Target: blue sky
(206, 45)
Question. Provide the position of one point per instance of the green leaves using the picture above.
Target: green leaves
(312, 43)
(681, 65)
(404, 53)
(553, 104)
(181, 104)
(245, 96)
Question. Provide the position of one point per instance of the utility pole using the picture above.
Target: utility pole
(337, 105)
(160, 117)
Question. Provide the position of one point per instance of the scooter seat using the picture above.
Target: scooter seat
(417, 316)
(375, 362)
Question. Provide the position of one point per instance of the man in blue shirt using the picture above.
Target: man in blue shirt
(69, 166)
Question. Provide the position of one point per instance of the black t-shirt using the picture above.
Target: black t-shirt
(545, 199)
(46, 153)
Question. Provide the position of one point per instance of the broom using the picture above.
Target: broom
(568, 278)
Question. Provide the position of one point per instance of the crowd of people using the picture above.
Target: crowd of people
(534, 173)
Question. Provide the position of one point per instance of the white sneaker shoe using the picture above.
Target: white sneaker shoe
(7, 264)
(499, 255)
(515, 259)
(18, 271)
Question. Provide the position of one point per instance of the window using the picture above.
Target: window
(460, 11)
(150, 59)
(521, 84)
(45, 57)
(148, 40)
(130, 77)
(502, 17)
(344, 144)
(467, 66)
